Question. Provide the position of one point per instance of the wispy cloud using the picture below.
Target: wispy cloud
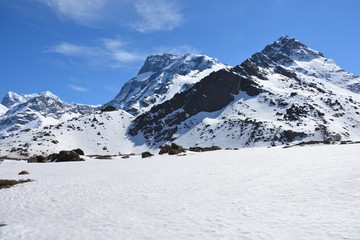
(82, 12)
(77, 88)
(157, 15)
(107, 52)
(141, 15)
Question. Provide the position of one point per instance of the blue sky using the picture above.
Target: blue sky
(85, 50)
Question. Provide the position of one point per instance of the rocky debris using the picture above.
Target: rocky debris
(37, 159)
(62, 156)
(65, 156)
(104, 157)
(23, 172)
(146, 154)
(204, 149)
(290, 135)
(172, 149)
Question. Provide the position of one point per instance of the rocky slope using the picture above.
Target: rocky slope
(284, 93)
(160, 78)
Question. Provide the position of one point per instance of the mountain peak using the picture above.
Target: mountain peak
(287, 49)
(12, 98)
(49, 95)
(161, 77)
(155, 63)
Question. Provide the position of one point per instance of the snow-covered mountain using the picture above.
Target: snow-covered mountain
(35, 110)
(102, 133)
(160, 78)
(284, 93)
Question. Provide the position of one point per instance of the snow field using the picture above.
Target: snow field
(261, 193)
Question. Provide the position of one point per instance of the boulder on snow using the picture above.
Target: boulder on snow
(79, 151)
(146, 154)
(205, 149)
(37, 159)
(23, 172)
(171, 150)
(65, 156)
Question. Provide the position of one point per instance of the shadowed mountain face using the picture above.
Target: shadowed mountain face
(283, 93)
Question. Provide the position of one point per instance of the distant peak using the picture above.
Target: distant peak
(288, 47)
(48, 94)
(157, 63)
(154, 63)
(12, 98)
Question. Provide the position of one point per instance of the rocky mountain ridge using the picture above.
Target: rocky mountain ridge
(35, 110)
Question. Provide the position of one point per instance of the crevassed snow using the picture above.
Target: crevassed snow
(302, 193)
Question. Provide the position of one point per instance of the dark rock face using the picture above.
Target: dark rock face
(146, 154)
(210, 94)
(108, 109)
(290, 135)
(172, 149)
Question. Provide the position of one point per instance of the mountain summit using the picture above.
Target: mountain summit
(160, 78)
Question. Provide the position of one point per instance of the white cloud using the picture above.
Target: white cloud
(73, 50)
(81, 11)
(157, 15)
(141, 15)
(109, 52)
(77, 88)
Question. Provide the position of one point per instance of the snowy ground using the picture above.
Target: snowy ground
(296, 193)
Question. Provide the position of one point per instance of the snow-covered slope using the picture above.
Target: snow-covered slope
(160, 78)
(102, 133)
(3, 109)
(302, 193)
(34, 110)
(287, 92)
